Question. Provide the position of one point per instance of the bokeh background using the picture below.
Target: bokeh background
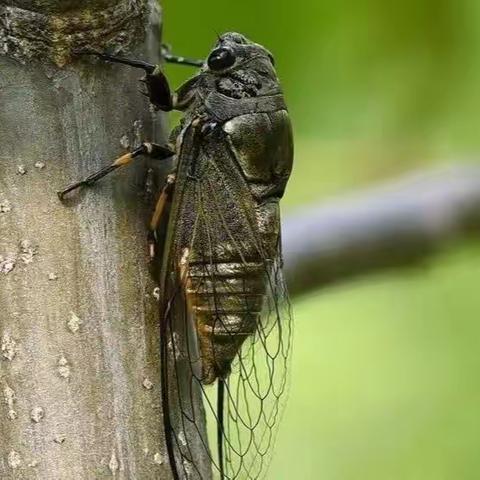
(386, 380)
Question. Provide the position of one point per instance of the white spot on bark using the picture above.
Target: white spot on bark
(147, 383)
(27, 251)
(10, 397)
(39, 165)
(37, 414)
(33, 464)
(149, 181)
(156, 293)
(138, 131)
(59, 438)
(21, 170)
(113, 464)
(8, 347)
(158, 459)
(7, 265)
(14, 460)
(63, 367)
(52, 276)
(74, 323)
(125, 142)
(5, 206)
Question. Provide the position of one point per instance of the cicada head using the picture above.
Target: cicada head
(241, 68)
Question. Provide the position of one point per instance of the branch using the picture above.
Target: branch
(400, 224)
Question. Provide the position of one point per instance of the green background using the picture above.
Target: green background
(385, 380)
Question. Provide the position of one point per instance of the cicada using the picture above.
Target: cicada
(225, 316)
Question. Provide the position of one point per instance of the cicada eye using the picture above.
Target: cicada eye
(220, 59)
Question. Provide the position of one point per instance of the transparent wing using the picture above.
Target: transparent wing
(256, 388)
(216, 220)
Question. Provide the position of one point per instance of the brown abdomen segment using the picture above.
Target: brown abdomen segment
(226, 300)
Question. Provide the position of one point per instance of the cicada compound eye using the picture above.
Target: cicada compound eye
(220, 59)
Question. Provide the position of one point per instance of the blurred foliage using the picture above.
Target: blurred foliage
(385, 379)
(400, 75)
(385, 374)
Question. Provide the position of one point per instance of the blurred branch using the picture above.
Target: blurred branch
(399, 224)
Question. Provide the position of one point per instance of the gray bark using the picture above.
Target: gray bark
(79, 337)
(401, 224)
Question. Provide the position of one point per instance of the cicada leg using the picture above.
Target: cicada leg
(158, 88)
(152, 150)
(159, 209)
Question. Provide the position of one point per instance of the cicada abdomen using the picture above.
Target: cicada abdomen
(227, 310)
(222, 281)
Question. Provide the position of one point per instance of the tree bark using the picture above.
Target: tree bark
(79, 333)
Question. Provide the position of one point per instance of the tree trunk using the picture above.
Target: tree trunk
(79, 326)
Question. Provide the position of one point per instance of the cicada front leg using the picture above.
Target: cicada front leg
(158, 88)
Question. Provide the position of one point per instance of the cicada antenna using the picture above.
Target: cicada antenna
(169, 57)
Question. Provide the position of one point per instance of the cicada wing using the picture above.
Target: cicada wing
(257, 387)
(184, 414)
(182, 390)
(215, 240)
